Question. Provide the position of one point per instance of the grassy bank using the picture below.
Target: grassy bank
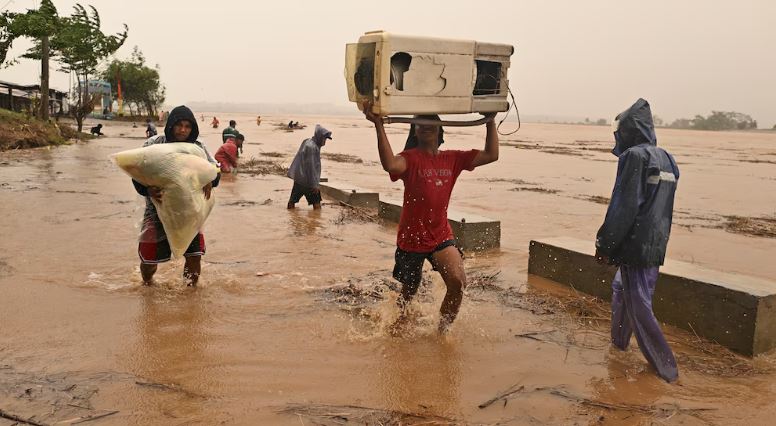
(17, 131)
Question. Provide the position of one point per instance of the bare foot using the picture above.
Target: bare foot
(444, 326)
(400, 326)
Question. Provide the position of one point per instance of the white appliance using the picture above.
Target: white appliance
(403, 74)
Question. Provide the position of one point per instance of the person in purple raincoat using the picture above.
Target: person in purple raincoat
(635, 234)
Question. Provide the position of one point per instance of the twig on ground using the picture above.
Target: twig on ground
(88, 418)
(14, 417)
(510, 391)
(343, 414)
(173, 388)
(666, 409)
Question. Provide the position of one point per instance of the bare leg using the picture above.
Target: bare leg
(317, 206)
(408, 292)
(449, 263)
(147, 271)
(192, 269)
(291, 206)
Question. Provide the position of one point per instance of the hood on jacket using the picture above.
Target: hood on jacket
(321, 134)
(181, 113)
(633, 127)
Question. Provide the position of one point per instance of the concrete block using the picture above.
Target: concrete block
(736, 311)
(473, 232)
(390, 209)
(350, 194)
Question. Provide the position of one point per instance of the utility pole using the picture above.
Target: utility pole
(44, 78)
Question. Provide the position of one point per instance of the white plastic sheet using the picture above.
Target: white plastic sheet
(181, 170)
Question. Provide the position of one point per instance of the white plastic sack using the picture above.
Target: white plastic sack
(180, 169)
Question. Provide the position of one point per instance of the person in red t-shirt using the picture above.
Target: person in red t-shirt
(227, 154)
(429, 175)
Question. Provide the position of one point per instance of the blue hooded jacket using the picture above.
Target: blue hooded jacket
(638, 221)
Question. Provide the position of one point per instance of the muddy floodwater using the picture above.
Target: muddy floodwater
(289, 322)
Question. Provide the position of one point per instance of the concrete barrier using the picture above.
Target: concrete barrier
(350, 194)
(473, 232)
(736, 311)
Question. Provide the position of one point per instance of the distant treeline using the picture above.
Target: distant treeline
(718, 120)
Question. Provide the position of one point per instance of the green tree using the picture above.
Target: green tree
(6, 35)
(80, 45)
(722, 120)
(717, 120)
(39, 24)
(681, 123)
(76, 42)
(140, 84)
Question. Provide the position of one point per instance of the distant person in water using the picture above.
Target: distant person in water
(229, 131)
(229, 152)
(150, 128)
(635, 234)
(215, 123)
(97, 130)
(305, 170)
(258, 120)
(429, 175)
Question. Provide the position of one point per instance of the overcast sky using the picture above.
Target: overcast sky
(572, 58)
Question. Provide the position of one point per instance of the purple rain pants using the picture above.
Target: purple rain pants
(632, 290)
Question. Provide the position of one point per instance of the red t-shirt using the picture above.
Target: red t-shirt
(227, 156)
(428, 183)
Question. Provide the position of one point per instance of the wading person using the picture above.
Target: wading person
(153, 247)
(305, 170)
(150, 128)
(635, 234)
(231, 130)
(429, 175)
(228, 154)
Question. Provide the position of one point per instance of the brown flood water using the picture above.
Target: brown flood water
(79, 335)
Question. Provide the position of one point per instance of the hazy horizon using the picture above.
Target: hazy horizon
(572, 59)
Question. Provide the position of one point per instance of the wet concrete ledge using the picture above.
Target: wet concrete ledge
(473, 232)
(350, 194)
(736, 311)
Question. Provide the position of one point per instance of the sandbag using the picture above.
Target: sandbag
(180, 169)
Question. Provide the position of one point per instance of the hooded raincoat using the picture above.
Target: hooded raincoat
(638, 221)
(635, 234)
(305, 170)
